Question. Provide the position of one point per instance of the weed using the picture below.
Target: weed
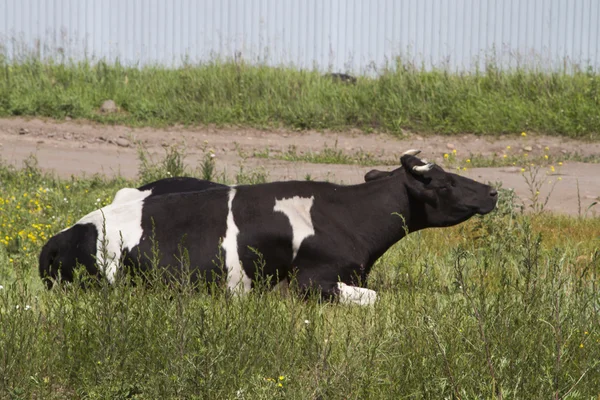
(172, 165)
(328, 155)
(207, 165)
(252, 177)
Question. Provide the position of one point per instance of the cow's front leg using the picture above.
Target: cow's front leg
(355, 295)
(328, 281)
(346, 294)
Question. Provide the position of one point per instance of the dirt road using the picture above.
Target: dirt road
(83, 148)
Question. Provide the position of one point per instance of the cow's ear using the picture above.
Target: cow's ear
(421, 172)
(375, 174)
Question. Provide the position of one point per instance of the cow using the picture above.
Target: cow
(56, 254)
(326, 236)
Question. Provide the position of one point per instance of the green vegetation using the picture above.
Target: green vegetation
(518, 158)
(327, 155)
(452, 159)
(226, 93)
(503, 306)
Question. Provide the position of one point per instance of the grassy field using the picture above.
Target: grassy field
(503, 306)
(451, 159)
(403, 97)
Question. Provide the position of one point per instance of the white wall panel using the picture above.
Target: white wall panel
(341, 35)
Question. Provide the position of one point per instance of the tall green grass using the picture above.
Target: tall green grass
(403, 97)
(503, 306)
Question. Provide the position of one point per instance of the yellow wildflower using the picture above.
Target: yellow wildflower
(546, 148)
(552, 168)
(468, 160)
(504, 156)
(522, 169)
(523, 134)
(560, 163)
(546, 156)
(446, 155)
(454, 151)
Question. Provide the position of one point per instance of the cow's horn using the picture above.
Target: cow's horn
(421, 169)
(411, 152)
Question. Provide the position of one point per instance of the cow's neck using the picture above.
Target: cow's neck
(381, 214)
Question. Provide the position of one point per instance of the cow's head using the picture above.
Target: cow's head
(438, 198)
(445, 198)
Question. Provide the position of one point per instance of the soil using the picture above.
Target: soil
(82, 148)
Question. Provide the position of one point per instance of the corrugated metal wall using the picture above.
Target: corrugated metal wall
(339, 35)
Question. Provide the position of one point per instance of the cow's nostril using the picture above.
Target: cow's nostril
(493, 193)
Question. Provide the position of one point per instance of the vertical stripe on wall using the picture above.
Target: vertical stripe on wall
(358, 36)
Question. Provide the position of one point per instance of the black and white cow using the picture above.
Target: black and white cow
(57, 255)
(328, 236)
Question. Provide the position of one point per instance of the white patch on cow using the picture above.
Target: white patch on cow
(297, 209)
(122, 222)
(237, 280)
(127, 195)
(356, 295)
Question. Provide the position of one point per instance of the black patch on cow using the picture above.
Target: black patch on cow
(186, 229)
(265, 238)
(65, 250)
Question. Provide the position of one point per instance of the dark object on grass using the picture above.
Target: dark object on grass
(339, 77)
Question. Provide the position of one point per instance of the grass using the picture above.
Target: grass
(333, 155)
(328, 155)
(502, 306)
(226, 93)
(517, 158)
